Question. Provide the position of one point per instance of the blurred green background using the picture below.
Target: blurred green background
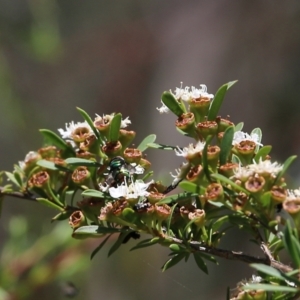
(119, 56)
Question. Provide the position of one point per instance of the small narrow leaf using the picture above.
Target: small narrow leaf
(200, 262)
(226, 145)
(286, 165)
(176, 198)
(146, 141)
(114, 128)
(46, 164)
(262, 153)
(161, 146)
(118, 243)
(169, 220)
(238, 127)
(173, 261)
(146, 243)
(169, 100)
(268, 270)
(92, 193)
(75, 161)
(13, 179)
(49, 203)
(98, 248)
(189, 186)
(88, 119)
(218, 100)
(55, 140)
(290, 244)
(270, 288)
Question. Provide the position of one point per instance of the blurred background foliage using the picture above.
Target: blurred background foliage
(119, 56)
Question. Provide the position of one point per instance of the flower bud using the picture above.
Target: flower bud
(112, 149)
(77, 219)
(214, 192)
(81, 175)
(223, 124)
(195, 174)
(186, 123)
(126, 137)
(29, 162)
(103, 124)
(132, 155)
(39, 180)
(155, 197)
(50, 151)
(278, 194)
(198, 217)
(207, 128)
(213, 153)
(255, 184)
(228, 169)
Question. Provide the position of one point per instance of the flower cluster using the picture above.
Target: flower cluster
(227, 177)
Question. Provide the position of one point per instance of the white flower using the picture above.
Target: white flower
(240, 136)
(164, 109)
(125, 122)
(71, 127)
(132, 191)
(265, 166)
(242, 173)
(293, 194)
(190, 150)
(180, 173)
(138, 169)
(200, 93)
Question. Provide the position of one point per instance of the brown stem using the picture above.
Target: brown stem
(235, 255)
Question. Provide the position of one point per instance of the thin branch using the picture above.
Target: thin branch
(235, 255)
(25, 196)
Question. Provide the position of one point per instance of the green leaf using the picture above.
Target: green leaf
(218, 100)
(55, 140)
(226, 145)
(189, 187)
(268, 270)
(236, 160)
(92, 193)
(114, 129)
(204, 158)
(75, 161)
(270, 288)
(262, 153)
(147, 140)
(219, 222)
(173, 261)
(238, 127)
(161, 146)
(118, 243)
(169, 100)
(176, 198)
(46, 164)
(169, 220)
(176, 248)
(49, 203)
(146, 243)
(98, 248)
(92, 231)
(13, 179)
(228, 181)
(62, 215)
(129, 215)
(291, 244)
(286, 165)
(88, 119)
(200, 262)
